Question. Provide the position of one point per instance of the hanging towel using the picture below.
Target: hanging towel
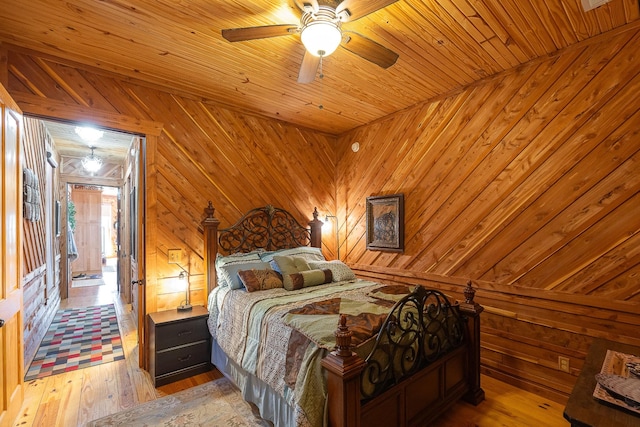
(31, 197)
(72, 250)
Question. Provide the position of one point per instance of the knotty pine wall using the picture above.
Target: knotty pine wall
(196, 152)
(527, 184)
(41, 291)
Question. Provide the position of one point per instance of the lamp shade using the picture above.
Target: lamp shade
(321, 38)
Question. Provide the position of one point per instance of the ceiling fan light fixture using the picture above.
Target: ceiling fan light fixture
(321, 34)
(92, 163)
(321, 38)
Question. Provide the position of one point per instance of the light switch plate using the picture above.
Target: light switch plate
(175, 256)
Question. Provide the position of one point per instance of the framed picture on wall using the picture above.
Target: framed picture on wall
(385, 223)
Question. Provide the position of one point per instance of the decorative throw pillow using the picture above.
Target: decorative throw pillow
(308, 278)
(260, 280)
(229, 272)
(340, 270)
(307, 252)
(287, 265)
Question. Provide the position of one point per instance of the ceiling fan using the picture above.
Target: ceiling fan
(320, 30)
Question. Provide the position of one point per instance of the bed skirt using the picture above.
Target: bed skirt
(272, 406)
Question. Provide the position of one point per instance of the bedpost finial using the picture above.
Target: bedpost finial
(469, 293)
(343, 337)
(209, 210)
(315, 214)
(270, 210)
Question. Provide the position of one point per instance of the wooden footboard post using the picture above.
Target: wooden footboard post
(343, 381)
(210, 227)
(472, 311)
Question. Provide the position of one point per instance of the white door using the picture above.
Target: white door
(11, 340)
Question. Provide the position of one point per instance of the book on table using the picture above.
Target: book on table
(618, 382)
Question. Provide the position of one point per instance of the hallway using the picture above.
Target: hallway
(85, 296)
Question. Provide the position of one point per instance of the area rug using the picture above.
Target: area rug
(86, 282)
(78, 338)
(216, 403)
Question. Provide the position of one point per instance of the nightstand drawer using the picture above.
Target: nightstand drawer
(180, 333)
(182, 357)
(179, 344)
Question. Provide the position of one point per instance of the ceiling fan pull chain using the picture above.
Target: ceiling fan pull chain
(321, 77)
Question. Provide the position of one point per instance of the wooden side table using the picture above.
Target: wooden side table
(179, 344)
(584, 410)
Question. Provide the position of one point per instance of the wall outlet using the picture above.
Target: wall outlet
(563, 363)
(175, 256)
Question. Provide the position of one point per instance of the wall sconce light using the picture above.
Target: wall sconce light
(326, 218)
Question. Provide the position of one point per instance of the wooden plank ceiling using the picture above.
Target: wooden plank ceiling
(443, 45)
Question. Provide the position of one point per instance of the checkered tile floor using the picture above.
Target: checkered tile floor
(78, 338)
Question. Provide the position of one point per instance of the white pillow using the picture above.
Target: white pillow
(307, 252)
(339, 269)
(235, 258)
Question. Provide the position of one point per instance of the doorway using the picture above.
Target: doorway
(122, 164)
(94, 240)
(95, 249)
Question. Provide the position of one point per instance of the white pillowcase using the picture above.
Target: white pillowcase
(307, 252)
(339, 269)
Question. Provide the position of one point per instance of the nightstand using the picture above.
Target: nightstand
(179, 344)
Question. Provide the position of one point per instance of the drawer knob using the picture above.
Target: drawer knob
(184, 359)
(183, 333)
(1, 323)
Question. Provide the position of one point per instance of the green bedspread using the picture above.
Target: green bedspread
(280, 336)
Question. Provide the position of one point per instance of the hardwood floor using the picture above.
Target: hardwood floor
(73, 399)
(505, 405)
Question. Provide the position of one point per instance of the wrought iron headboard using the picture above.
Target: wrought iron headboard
(267, 228)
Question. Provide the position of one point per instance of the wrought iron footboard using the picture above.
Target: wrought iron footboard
(420, 328)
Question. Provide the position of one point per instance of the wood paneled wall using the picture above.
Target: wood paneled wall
(196, 152)
(528, 184)
(41, 296)
(35, 158)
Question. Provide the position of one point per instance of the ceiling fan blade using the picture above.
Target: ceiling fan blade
(369, 50)
(252, 33)
(308, 68)
(307, 5)
(356, 9)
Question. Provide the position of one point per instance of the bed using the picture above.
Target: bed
(312, 345)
